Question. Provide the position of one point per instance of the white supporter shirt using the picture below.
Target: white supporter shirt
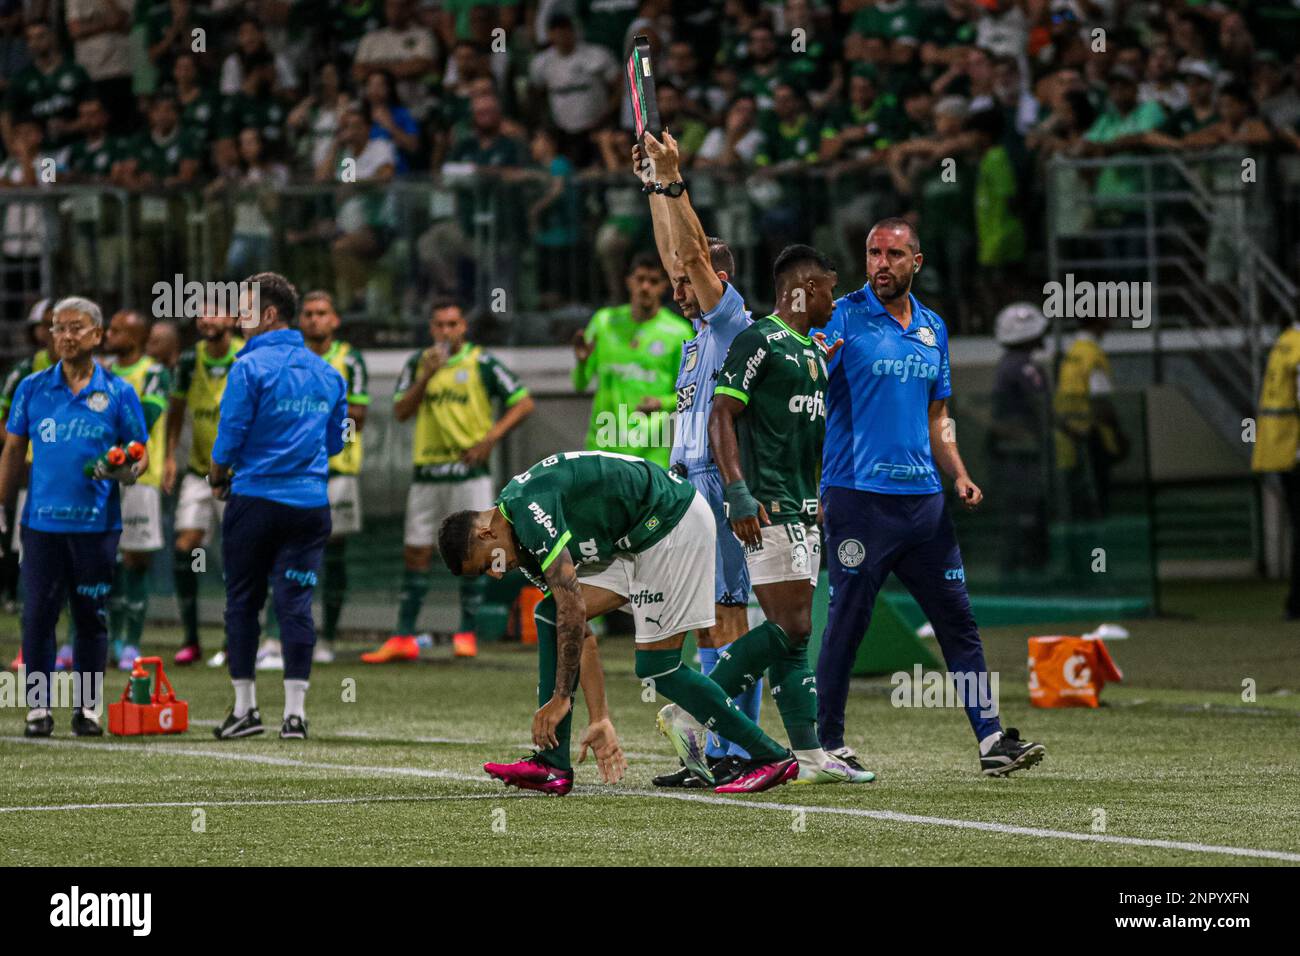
(577, 86)
(105, 56)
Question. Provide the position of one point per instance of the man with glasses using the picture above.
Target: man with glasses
(71, 414)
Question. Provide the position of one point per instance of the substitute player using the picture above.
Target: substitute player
(70, 414)
(282, 417)
(766, 431)
(320, 322)
(128, 606)
(602, 531)
(700, 268)
(448, 389)
(200, 381)
(887, 428)
(633, 352)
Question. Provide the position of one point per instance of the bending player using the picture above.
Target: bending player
(700, 268)
(766, 431)
(601, 531)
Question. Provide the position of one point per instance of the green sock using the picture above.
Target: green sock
(705, 701)
(272, 630)
(745, 659)
(335, 586)
(471, 599)
(187, 595)
(137, 604)
(414, 586)
(794, 688)
(117, 606)
(767, 648)
(547, 654)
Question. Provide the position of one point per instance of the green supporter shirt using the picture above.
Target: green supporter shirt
(163, 159)
(200, 116)
(89, 161)
(632, 361)
(592, 503)
(1110, 126)
(45, 96)
(266, 114)
(889, 20)
(781, 378)
(782, 142)
(999, 232)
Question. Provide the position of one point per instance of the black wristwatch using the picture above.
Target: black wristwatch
(671, 190)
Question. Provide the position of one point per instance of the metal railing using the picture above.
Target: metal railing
(1191, 225)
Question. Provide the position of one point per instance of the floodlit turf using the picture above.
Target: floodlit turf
(395, 777)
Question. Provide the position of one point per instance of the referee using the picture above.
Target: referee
(71, 414)
(887, 427)
(282, 417)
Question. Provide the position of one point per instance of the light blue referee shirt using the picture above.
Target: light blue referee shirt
(882, 381)
(702, 358)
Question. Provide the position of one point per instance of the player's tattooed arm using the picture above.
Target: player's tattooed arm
(943, 448)
(571, 628)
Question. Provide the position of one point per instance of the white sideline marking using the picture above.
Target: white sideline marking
(257, 803)
(890, 816)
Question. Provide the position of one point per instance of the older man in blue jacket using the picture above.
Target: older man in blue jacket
(282, 416)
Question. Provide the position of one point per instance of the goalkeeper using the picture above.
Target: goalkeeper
(71, 414)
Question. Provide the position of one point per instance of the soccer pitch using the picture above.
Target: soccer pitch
(1176, 770)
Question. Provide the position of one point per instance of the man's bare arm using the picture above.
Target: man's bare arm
(592, 678)
(690, 243)
(570, 623)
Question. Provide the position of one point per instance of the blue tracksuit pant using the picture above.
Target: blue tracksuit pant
(268, 542)
(869, 535)
(75, 569)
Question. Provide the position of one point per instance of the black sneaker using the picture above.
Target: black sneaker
(250, 725)
(39, 726)
(726, 770)
(294, 728)
(678, 778)
(1011, 753)
(84, 725)
(685, 778)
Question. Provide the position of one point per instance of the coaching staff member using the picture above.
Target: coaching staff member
(886, 429)
(70, 414)
(282, 417)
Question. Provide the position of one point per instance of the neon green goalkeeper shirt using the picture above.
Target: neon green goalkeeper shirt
(632, 361)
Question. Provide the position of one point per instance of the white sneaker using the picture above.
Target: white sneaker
(818, 766)
(269, 657)
(322, 653)
(218, 659)
(689, 739)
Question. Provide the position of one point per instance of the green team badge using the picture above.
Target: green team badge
(812, 367)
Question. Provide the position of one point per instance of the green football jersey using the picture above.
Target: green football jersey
(46, 96)
(632, 361)
(780, 376)
(592, 503)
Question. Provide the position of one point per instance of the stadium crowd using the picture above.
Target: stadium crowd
(823, 111)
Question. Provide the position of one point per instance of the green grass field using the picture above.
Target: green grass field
(394, 778)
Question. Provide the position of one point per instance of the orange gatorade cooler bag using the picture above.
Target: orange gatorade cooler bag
(1069, 671)
(148, 710)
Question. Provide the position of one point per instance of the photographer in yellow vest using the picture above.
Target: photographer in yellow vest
(1088, 438)
(1277, 440)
